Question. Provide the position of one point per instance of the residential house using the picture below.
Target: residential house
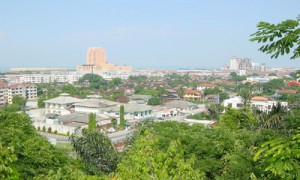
(62, 105)
(182, 106)
(264, 104)
(293, 83)
(93, 105)
(190, 94)
(131, 111)
(139, 99)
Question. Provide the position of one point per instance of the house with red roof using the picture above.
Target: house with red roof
(190, 94)
(293, 83)
(28, 91)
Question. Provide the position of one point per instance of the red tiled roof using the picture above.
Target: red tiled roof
(287, 91)
(293, 83)
(18, 85)
(190, 91)
(260, 98)
(3, 84)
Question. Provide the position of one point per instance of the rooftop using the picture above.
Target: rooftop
(130, 108)
(63, 99)
(179, 104)
(96, 103)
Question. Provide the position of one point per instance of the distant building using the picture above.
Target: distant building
(96, 63)
(264, 104)
(190, 94)
(28, 91)
(238, 63)
(3, 87)
(37, 69)
(95, 56)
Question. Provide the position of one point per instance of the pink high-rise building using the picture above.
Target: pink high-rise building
(95, 56)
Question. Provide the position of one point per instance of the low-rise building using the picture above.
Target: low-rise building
(190, 94)
(264, 104)
(62, 105)
(3, 87)
(131, 111)
(28, 91)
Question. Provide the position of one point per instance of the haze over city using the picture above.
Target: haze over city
(142, 34)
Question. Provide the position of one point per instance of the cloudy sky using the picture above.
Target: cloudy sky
(140, 33)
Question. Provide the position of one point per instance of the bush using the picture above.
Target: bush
(55, 132)
(49, 130)
(44, 128)
(39, 128)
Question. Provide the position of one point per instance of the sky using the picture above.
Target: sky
(160, 34)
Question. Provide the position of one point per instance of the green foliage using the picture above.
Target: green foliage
(95, 81)
(11, 108)
(7, 157)
(19, 100)
(214, 110)
(116, 81)
(35, 155)
(237, 78)
(154, 101)
(279, 39)
(171, 150)
(199, 116)
(95, 151)
(208, 91)
(146, 161)
(49, 130)
(246, 94)
(235, 119)
(223, 95)
(92, 122)
(74, 91)
(114, 123)
(138, 79)
(113, 95)
(122, 118)
(281, 156)
(271, 86)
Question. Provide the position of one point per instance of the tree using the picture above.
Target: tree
(279, 39)
(92, 122)
(19, 100)
(116, 81)
(95, 151)
(7, 157)
(281, 156)
(122, 118)
(114, 123)
(246, 94)
(95, 81)
(154, 101)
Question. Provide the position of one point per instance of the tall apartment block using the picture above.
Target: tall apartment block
(7, 92)
(3, 87)
(238, 63)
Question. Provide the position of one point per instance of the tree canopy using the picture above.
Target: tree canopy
(279, 39)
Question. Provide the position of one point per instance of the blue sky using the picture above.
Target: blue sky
(140, 33)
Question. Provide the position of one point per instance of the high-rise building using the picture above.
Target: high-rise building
(95, 56)
(96, 63)
(239, 63)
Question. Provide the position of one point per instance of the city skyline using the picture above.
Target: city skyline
(174, 35)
